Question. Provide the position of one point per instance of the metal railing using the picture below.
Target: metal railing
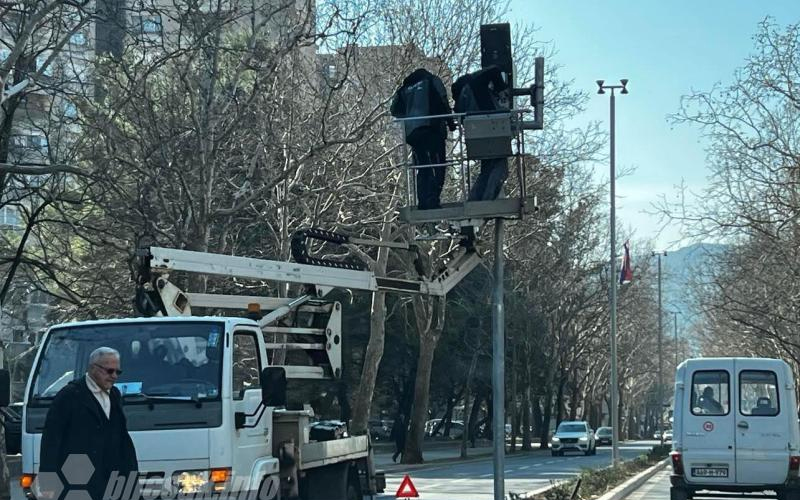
(458, 157)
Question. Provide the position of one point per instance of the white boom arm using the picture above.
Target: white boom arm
(322, 278)
(319, 338)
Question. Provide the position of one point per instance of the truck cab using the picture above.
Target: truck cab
(205, 411)
(735, 428)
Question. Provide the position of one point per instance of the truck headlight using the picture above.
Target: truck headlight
(191, 481)
(198, 481)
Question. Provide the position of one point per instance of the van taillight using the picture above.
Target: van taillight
(677, 463)
(794, 463)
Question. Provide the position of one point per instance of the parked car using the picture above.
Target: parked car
(735, 428)
(380, 429)
(456, 428)
(657, 435)
(573, 436)
(604, 435)
(430, 425)
(668, 435)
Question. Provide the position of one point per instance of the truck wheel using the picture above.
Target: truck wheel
(268, 490)
(353, 486)
(678, 494)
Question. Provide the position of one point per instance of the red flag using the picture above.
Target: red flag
(626, 272)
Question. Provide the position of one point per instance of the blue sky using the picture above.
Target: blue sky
(665, 49)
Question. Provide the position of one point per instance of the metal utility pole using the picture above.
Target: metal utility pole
(613, 278)
(675, 317)
(498, 365)
(660, 357)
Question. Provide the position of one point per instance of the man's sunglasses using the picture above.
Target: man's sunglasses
(110, 371)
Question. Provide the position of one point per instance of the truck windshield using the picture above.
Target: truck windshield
(159, 359)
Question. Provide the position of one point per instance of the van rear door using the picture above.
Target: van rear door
(762, 423)
(709, 455)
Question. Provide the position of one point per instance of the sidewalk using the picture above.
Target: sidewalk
(437, 453)
(656, 488)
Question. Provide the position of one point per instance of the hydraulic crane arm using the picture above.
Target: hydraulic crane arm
(322, 279)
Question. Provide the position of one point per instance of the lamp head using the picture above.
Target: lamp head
(600, 85)
(624, 83)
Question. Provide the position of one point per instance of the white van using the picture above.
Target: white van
(736, 428)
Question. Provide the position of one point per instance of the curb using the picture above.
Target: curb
(617, 493)
(634, 483)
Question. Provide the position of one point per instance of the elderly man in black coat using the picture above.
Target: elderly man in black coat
(86, 418)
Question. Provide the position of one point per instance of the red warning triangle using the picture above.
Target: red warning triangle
(406, 489)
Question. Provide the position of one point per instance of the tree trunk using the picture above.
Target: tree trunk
(526, 420)
(473, 419)
(372, 361)
(419, 414)
(573, 403)
(559, 400)
(362, 402)
(536, 410)
(514, 406)
(429, 319)
(467, 408)
(544, 433)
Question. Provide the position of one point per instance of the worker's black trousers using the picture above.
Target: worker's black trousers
(430, 150)
(490, 181)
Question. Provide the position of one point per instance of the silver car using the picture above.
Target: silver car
(573, 436)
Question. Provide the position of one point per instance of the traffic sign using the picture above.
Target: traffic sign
(406, 489)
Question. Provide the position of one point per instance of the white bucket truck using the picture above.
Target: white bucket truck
(206, 408)
(735, 428)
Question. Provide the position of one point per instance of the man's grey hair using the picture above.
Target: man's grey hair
(100, 352)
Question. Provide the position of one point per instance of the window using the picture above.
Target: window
(571, 427)
(710, 392)
(758, 393)
(70, 111)
(19, 141)
(330, 71)
(150, 24)
(39, 143)
(163, 360)
(245, 363)
(78, 39)
(4, 53)
(9, 216)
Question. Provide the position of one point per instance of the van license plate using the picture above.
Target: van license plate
(710, 471)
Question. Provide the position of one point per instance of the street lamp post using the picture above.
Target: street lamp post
(675, 318)
(660, 357)
(613, 275)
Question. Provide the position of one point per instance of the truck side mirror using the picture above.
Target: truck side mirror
(5, 388)
(273, 386)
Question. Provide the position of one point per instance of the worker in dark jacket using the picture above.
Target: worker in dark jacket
(423, 94)
(86, 419)
(481, 91)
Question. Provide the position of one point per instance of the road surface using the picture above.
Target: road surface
(473, 480)
(657, 488)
